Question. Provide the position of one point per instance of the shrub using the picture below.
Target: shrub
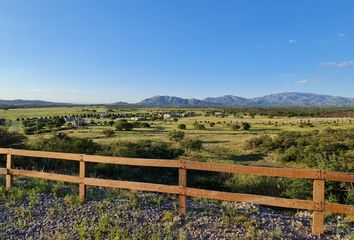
(235, 127)
(108, 133)
(246, 126)
(124, 126)
(182, 126)
(176, 136)
(11, 139)
(198, 126)
(145, 149)
(192, 145)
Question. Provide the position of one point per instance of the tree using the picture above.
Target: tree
(176, 136)
(198, 126)
(9, 140)
(124, 126)
(108, 133)
(246, 126)
(182, 126)
(235, 127)
(192, 145)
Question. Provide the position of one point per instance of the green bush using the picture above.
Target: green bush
(145, 149)
(182, 126)
(124, 126)
(11, 139)
(192, 145)
(176, 136)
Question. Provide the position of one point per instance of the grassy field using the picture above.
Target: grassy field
(220, 142)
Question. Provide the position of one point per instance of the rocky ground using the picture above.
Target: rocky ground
(131, 215)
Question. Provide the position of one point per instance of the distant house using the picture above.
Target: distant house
(167, 116)
(105, 115)
(136, 118)
(171, 116)
(218, 113)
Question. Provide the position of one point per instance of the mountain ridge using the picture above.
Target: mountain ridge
(278, 99)
(286, 99)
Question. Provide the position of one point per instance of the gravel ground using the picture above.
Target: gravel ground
(153, 216)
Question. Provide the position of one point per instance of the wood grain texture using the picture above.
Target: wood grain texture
(41, 154)
(182, 199)
(318, 216)
(256, 199)
(3, 171)
(338, 176)
(44, 175)
(339, 208)
(9, 166)
(259, 171)
(132, 161)
(151, 187)
(82, 186)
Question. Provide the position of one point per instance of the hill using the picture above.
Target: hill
(280, 99)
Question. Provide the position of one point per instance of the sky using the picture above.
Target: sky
(87, 51)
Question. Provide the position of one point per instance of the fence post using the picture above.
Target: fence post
(82, 186)
(318, 216)
(182, 182)
(9, 165)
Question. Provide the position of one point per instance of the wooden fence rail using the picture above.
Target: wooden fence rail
(318, 204)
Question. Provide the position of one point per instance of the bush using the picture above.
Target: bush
(11, 139)
(235, 127)
(246, 126)
(176, 136)
(260, 142)
(182, 126)
(108, 133)
(141, 124)
(198, 126)
(192, 145)
(124, 126)
(145, 149)
(63, 143)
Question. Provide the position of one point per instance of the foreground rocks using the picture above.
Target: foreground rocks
(129, 215)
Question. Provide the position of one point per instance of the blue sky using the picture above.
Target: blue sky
(107, 51)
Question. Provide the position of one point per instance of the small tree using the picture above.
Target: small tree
(176, 136)
(192, 145)
(182, 126)
(235, 127)
(124, 126)
(108, 132)
(246, 126)
(11, 139)
(198, 126)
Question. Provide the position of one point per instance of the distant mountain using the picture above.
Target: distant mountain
(228, 100)
(120, 104)
(273, 100)
(170, 101)
(301, 99)
(280, 99)
(24, 103)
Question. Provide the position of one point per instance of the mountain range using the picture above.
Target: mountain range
(273, 100)
(280, 99)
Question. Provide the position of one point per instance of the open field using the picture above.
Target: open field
(221, 143)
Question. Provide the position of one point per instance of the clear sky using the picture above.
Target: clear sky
(126, 50)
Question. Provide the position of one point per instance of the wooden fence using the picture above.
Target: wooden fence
(318, 205)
